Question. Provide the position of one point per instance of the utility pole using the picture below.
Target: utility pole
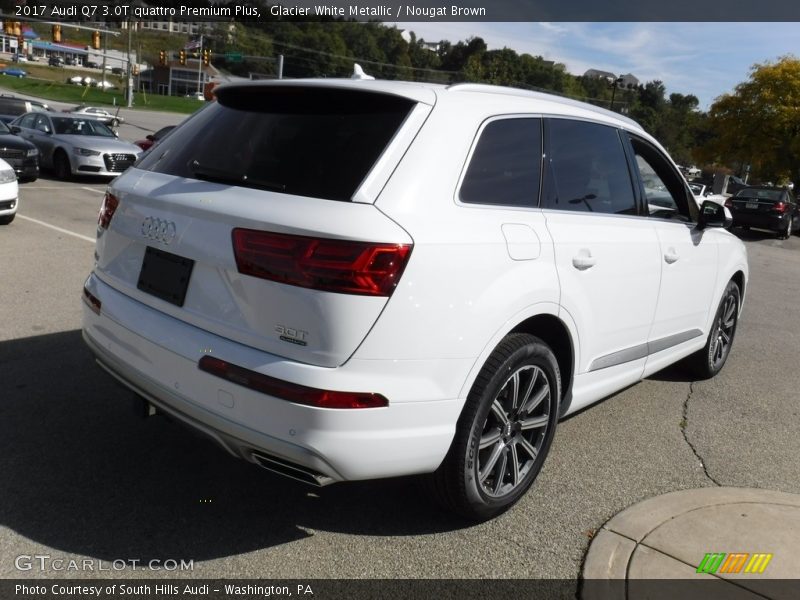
(617, 81)
(130, 69)
(200, 67)
(105, 52)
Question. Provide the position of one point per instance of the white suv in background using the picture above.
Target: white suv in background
(9, 193)
(343, 280)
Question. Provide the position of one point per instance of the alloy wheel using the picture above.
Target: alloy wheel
(725, 326)
(514, 432)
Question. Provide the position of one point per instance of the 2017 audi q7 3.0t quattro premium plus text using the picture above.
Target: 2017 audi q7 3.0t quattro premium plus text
(344, 280)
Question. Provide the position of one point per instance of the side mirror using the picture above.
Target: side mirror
(713, 215)
(150, 137)
(15, 129)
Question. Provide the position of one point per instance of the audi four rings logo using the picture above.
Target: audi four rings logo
(158, 230)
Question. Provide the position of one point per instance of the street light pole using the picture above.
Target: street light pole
(617, 81)
(105, 53)
(200, 67)
(130, 69)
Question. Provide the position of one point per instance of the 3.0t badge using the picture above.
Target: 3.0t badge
(159, 230)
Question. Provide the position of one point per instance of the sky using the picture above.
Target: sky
(704, 59)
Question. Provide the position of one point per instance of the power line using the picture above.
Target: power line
(362, 60)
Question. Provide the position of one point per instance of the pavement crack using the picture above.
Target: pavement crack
(685, 426)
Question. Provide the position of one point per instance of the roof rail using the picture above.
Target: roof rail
(498, 89)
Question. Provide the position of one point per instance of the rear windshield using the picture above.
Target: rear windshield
(293, 140)
(762, 194)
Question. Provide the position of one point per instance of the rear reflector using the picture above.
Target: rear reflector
(292, 392)
(110, 203)
(780, 207)
(366, 268)
(91, 301)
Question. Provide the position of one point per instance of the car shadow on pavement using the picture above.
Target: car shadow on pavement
(678, 373)
(81, 473)
(753, 235)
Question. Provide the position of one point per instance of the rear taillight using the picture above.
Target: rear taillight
(110, 204)
(365, 268)
(91, 301)
(728, 203)
(285, 390)
(780, 207)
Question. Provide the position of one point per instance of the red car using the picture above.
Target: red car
(153, 138)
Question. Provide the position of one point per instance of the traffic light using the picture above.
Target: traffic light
(96, 40)
(182, 57)
(56, 34)
(206, 57)
(162, 57)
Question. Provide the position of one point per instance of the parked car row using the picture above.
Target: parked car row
(75, 144)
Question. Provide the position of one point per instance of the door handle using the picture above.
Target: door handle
(670, 256)
(583, 260)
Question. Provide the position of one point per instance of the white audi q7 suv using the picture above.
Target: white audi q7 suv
(343, 280)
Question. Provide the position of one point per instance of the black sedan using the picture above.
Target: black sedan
(20, 154)
(765, 208)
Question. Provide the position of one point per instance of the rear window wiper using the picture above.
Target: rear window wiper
(223, 176)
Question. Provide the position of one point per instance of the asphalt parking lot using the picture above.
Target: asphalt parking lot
(82, 477)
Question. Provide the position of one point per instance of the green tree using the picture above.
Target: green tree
(759, 123)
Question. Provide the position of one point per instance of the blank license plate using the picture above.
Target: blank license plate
(165, 275)
(753, 205)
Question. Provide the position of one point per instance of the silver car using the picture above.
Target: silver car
(75, 145)
(95, 112)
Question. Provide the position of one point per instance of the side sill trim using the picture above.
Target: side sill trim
(642, 350)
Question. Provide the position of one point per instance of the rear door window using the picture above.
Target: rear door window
(304, 141)
(586, 169)
(505, 167)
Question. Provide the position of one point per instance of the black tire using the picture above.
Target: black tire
(709, 361)
(787, 233)
(61, 166)
(515, 430)
(7, 219)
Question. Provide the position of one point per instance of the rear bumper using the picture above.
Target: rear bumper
(774, 222)
(156, 356)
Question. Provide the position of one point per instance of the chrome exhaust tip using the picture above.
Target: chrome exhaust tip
(291, 470)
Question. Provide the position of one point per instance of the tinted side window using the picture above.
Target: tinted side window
(27, 121)
(506, 165)
(586, 169)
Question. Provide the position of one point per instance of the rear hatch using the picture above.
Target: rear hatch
(242, 221)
